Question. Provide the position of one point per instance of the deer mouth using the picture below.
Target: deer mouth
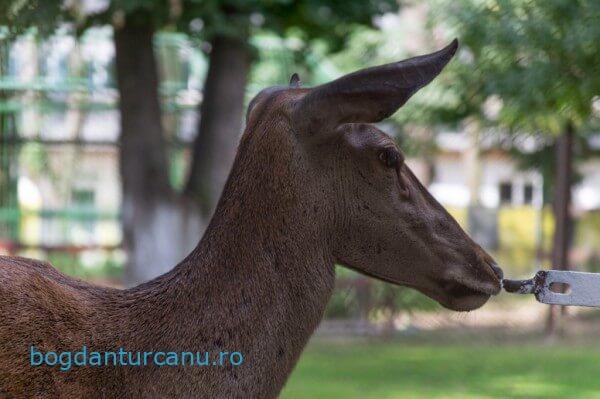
(466, 296)
(462, 291)
(468, 287)
(463, 299)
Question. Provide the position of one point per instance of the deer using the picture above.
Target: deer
(315, 183)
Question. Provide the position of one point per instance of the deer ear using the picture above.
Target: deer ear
(369, 95)
(295, 81)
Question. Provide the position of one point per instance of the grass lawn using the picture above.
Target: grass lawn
(404, 370)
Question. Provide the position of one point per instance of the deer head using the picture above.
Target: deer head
(380, 219)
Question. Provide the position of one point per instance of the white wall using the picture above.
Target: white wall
(586, 194)
(450, 185)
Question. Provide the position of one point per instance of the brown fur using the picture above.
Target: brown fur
(297, 201)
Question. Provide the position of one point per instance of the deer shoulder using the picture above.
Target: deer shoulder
(42, 308)
(34, 293)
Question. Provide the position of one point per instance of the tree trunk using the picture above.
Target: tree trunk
(221, 113)
(158, 228)
(562, 216)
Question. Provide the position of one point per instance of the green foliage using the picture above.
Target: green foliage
(540, 58)
(34, 157)
(309, 19)
(331, 21)
(393, 299)
(343, 304)
(110, 267)
(20, 15)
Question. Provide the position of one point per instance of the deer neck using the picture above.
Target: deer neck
(257, 283)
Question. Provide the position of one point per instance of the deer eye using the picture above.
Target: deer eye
(390, 157)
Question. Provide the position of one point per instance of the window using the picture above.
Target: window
(528, 194)
(506, 193)
(84, 223)
(81, 198)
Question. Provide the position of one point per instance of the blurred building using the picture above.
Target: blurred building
(59, 128)
(502, 183)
